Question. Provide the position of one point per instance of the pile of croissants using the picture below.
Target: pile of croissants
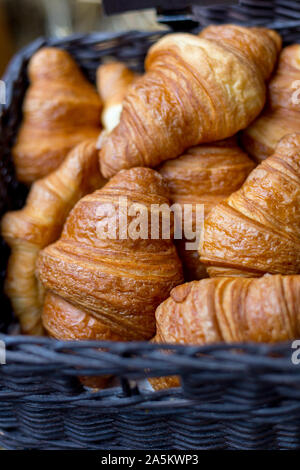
(213, 121)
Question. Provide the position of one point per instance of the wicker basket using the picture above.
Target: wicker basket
(232, 396)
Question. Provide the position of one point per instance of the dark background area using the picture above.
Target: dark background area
(22, 21)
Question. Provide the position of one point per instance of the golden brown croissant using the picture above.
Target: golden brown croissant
(113, 81)
(232, 310)
(71, 323)
(39, 223)
(204, 175)
(256, 230)
(282, 113)
(61, 109)
(118, 279)
(195, 90)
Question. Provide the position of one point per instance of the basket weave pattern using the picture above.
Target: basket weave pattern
(232, 396)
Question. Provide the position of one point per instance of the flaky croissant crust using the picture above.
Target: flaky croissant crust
(39, 223)
(61, 109)
(281, 114)
(180, 102)
(206, 175)
(118, 281)
(228, 310)
(256, 230)
(64, 321)
(71, 323)
(231, 310)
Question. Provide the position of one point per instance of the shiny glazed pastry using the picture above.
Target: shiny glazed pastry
(256, 230)
(39, 223)
(204, 175)
(113, 81)
(117, 281)
(180, 102)
(61, 109)
(71, 323)
(264, 310)
(282, 113)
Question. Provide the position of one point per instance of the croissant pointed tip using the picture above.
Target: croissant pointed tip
(53, 62)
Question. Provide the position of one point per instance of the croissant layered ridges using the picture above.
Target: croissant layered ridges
(204, 175)
(211, 51)
(258, 46)
(71, 323)
(255, 231)
(260, 140)
(61, 109)
(75, 274)
(207, 171)
(118, 281)
(39, 223)
(281, 114)
(66, 322)
(284, 84)
(180, 101)
(103, 289)
(51, 198)
(264, 310)
(33, 162)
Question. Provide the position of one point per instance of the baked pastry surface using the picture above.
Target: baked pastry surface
(117, 279)
(229, 310)
(281, 115)
(256, 230)
(113, 82)
(195, 90)
(60, 109)
(206, 175)
(39, 223)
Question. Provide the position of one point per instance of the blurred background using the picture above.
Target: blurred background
(22, 21)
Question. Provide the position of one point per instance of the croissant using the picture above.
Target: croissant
(256, 230)
(181, 100)
(39, 223)
(229, 310)
(113, 81)
(71, 323)
(108, 274)
(204, 175)
(60, 109)
(281, 116)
